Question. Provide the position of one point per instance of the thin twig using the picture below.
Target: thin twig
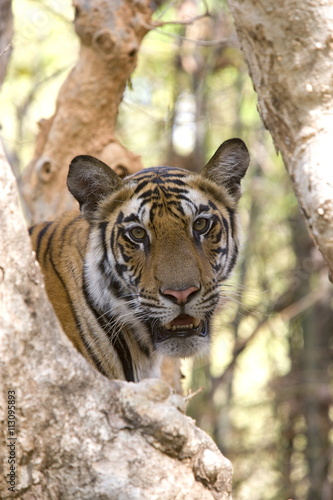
(287, 313)
(193, 394)
(159, 24)
(203, 43)
(301, 305)
(5, 49)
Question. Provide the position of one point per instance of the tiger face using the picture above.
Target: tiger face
(160, 244)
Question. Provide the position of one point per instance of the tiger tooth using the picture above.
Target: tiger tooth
(190, 326)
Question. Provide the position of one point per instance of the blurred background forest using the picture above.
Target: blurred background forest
(267, 398)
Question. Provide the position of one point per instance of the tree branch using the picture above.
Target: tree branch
(87, 106)
(292, 75)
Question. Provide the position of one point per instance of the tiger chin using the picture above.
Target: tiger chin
(136, 274)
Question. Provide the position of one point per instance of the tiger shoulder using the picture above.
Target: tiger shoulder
(136, 274)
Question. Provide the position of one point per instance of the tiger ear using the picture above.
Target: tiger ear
(228, 165)
(90, 180)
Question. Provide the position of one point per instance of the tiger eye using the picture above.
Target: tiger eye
(138, 233)
(201, 225)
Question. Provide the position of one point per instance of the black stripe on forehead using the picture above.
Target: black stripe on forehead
(163, 191)
(164, 199)
(167, 183)
(153, 172)
(157, 176)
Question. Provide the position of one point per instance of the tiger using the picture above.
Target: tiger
(134, 274)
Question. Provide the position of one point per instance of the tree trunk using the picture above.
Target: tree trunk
(110, 33)
(317, 398)
(289, 48)
(65, 430)
(6, 33)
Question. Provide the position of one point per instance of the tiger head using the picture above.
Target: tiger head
(161, 243)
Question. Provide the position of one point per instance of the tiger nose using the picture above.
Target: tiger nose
(180, 296)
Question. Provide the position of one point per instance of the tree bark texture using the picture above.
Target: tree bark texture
(289, 49)
(110, 33)
(6, 33)
(77, 434)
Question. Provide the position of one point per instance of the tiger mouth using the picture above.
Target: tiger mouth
(182, 326)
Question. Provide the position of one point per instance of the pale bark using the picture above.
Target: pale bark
(110, 33)
(289, 50)
(80, 435)
(6, 33)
